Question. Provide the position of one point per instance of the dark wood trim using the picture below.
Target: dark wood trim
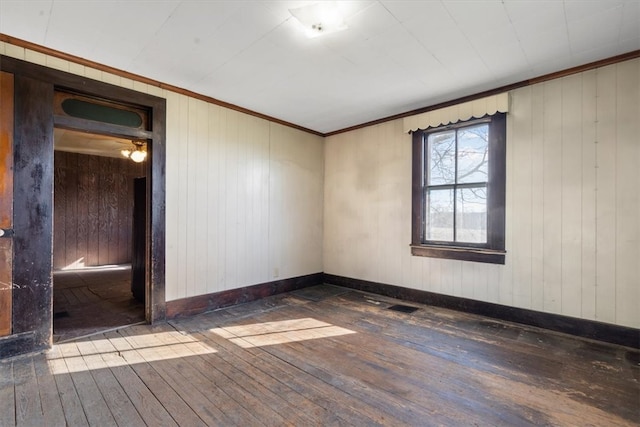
(73, 83)
(156, 164)
(417, 176)
(591, 329)
(19, 344)
(139, 239)
(497, 187)
(82, 61)
(201, 303)
(586, 67)
(90, 126)
(460, 254)
(156, 213)
(535, 80)
(34, 187)
(33, 208)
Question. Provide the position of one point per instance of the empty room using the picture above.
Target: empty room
(374, 212)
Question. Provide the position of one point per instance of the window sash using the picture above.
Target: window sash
(429, 149)
(455, 228)
(494, 250)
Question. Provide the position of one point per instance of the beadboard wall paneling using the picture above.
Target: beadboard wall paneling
(573, 200)
(244, 196)
(573, 204)
(244, 199)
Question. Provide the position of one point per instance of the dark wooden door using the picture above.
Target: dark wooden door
(6, 201)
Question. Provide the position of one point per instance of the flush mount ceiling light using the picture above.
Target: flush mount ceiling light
(139, 152)
(321, 18)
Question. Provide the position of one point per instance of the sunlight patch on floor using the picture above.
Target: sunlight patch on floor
(66, 358)
(281, 332)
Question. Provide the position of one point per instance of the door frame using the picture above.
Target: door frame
(33, 157)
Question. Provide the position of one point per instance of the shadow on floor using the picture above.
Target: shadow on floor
(90, 300)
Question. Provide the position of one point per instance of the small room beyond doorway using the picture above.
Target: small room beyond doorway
(93, 235)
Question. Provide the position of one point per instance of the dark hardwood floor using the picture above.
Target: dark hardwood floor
(325, 356)
(86, 301)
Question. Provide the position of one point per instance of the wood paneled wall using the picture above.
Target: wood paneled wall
(93, 207)
(245, 202)
(244, 199)
(573, 204)
(244, 196)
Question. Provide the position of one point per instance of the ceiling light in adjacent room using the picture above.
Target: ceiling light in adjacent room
(321, 18)
(138, 154)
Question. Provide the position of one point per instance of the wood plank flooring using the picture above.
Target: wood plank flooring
(89, 300)
(324, 356)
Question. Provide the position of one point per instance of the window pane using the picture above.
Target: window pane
(471, 215)
(439, 218)
(473, 154)
(441, 157)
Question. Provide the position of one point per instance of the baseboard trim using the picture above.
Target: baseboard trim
(19, 344)
(199, 304)
(614, 334)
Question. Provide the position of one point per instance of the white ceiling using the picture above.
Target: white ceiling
(396, 56)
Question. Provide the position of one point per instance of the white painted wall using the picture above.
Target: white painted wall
(244, 199)
(573, 204)
(244, 196)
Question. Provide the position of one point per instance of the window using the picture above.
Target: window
(459, 190)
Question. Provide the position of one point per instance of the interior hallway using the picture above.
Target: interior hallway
(89, 300)
(325, 356)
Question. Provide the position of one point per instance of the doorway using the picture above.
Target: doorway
(93, 235)
(39, 100)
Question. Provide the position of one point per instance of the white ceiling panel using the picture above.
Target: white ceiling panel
(371, 20)
(582, 36)
(504, 59)
(534, 10)
(405, 10)
(14, 14)
(578, 9)
(474, 16)
(630, 27)
(395, 56)
(110, 35)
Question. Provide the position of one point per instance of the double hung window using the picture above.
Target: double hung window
(459, 190)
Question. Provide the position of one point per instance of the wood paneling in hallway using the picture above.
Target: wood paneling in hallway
(93, 208)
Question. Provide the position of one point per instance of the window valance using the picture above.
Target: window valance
(460, 112)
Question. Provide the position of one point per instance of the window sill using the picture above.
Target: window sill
(490, 256)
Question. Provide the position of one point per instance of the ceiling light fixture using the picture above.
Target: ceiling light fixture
(138, 154)
(321, 18)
